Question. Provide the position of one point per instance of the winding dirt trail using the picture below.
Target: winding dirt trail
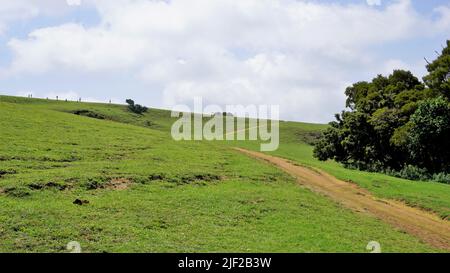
(428, 227)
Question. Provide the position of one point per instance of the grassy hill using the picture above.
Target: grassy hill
(148, 193)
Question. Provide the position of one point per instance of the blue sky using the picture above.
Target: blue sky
(299, 55)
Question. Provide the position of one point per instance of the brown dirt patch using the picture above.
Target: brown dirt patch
(118, 184)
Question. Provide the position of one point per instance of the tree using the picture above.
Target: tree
(363, 136)
(394, 122)
(136, 108)
(438, 70)
(329, 145)
(429, 135)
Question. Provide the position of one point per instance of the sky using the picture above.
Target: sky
(298, 54)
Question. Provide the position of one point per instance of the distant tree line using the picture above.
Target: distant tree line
(395, 124)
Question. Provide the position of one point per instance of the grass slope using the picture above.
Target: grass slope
(148, 193)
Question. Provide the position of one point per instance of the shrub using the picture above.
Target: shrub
(136, 108)
(413, 173)
(89, 113)
(442, 178)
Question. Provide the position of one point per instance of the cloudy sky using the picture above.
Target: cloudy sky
(297, 54)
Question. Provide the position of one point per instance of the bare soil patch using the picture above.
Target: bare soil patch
(118, 184)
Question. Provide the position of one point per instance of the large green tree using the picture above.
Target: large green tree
(429, 135)
(438, 77)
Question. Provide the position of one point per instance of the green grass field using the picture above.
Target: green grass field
(148, 193)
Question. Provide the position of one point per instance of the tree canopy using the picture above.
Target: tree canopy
(393, 122)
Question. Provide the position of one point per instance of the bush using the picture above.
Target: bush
(413, 173)
(442, 178)
(89, 113)
(136, 108)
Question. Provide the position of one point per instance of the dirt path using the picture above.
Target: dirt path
(426, 226)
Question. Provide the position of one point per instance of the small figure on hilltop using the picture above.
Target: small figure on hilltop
(136, 108)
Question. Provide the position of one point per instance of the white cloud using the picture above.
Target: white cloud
(12, 11)
(15, 10)
(74, 47)
(73, 2)
(373, 2)
(299, 54)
